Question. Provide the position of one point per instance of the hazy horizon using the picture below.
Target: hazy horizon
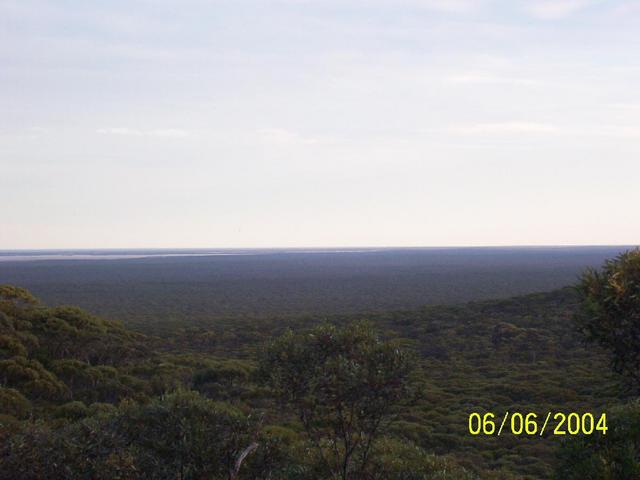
(80, 254)
(317, 247)
(292, 280)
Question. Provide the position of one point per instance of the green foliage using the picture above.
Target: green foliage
(11, 347)
(12, 296)
(610, 317)
(611, 312)
(223, 380)
(180, 436)
(520, 354)
(31, 378)
(13, 403)
(342, 384)
(184, 435)
(396, 460)
(72, 411)
(99, 408)
(614, 456)
(62, 354)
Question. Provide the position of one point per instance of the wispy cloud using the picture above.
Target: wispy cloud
(132, 132)
(556, 9)
(533, 128)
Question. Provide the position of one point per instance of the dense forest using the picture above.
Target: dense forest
(157, 291)
(382, 395)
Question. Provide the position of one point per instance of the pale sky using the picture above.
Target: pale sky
(258, 123)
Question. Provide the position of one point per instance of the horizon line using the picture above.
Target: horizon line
(325, 247)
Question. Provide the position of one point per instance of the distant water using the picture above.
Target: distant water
(22, 256)
(118, 254)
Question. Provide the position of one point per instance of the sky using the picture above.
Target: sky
(290, 123)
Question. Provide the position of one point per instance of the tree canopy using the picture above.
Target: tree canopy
(610, 314)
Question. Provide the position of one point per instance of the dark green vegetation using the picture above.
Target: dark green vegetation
(343, 385)
(615, 456)
(357, 396)
(83, 398)
(611, 313)
(87, 395)
(610, 316)
(158, 292)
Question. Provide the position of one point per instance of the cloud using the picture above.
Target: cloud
(532, 128)
(31, 132)
(132, 132)
(556, 9)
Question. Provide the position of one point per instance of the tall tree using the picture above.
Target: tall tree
(610, 314)
(343, 384)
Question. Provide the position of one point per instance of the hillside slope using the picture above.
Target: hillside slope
(521, 354)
